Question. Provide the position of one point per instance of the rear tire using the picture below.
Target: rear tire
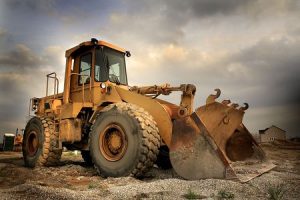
(39, 143)
(124, 140)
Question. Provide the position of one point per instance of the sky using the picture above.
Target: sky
(249, 49)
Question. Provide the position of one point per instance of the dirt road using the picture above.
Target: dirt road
(73, 180)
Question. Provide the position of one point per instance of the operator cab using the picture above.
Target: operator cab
(91, 65)
(96, 62)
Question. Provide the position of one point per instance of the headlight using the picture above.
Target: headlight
(102, 85)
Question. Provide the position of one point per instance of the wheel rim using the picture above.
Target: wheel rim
(32, 142)
(113, 142)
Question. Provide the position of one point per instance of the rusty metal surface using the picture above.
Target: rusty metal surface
(113, 142)
(193, 155)
(207, 143)
(70, 130)
(221, 122)
(250, 159)
(247, 170)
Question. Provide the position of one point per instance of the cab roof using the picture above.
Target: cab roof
(69, 52)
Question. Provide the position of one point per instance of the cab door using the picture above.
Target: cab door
(81, 77)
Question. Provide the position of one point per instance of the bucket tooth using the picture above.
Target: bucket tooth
(226, 102)
(245, 107)
(234, 105)
(212, 98)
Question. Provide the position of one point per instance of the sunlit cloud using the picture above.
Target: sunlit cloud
(249, 49)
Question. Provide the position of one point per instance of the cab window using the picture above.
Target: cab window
(116, 66)
(101, 74)
(85, 69)
(110, 65)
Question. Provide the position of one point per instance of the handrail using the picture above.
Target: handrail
(56, 83)
(90, 86)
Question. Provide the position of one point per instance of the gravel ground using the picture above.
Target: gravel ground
(74, 180)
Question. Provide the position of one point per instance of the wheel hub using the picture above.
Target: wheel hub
(113, 142)
(32, 142)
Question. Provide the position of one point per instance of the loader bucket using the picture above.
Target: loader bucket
(213, 143)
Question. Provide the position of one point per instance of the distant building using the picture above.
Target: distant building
(272, 133)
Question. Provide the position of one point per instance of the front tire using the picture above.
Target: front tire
(39, 143)
(124, 140)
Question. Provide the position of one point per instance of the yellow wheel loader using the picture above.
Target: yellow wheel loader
(124, 130)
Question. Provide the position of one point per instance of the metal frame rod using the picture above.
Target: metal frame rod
(90, 86)
(56, 83)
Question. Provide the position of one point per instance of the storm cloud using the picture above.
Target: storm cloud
(21, 56)
(249, 49)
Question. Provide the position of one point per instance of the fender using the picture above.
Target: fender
(160, 115)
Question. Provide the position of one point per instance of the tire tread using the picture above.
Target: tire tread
(50, 155)
(150, 136)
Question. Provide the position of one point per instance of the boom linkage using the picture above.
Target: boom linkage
(187, 97)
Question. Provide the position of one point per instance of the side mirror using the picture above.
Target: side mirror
(127, 53)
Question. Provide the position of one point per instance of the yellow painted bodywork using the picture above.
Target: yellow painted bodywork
(119, 94)
(88, 43)
(157, 110)
(67, 106)
(70, 130)
(96, 96)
